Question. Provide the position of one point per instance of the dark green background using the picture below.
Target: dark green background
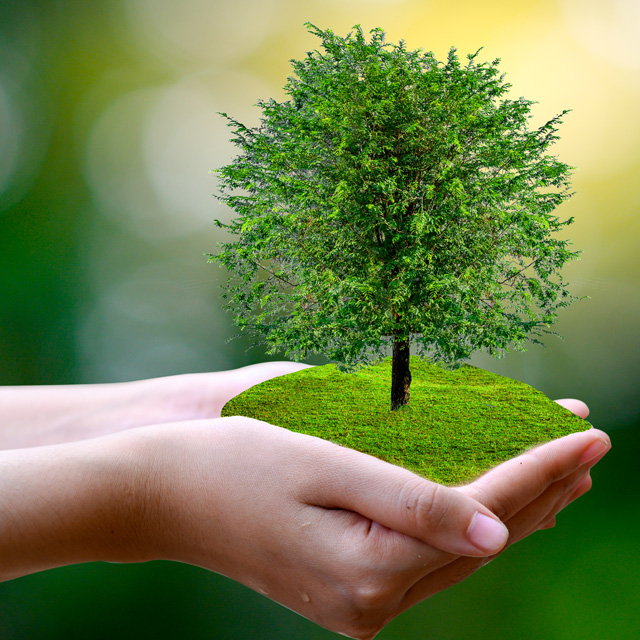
(107, 132)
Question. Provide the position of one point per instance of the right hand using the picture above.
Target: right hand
(342, 538)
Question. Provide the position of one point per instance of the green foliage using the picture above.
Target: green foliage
(393, 196)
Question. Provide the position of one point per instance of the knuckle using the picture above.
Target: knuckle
(427, 504)
(370, 605)
(368, 598)
(361, 633)
(363, 628)
(501, 510)
(503, 506)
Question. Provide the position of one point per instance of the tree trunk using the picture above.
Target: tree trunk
(400, 375)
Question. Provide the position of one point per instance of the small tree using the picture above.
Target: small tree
(393, 198)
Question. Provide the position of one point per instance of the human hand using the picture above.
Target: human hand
(342, 538)
(45, 415)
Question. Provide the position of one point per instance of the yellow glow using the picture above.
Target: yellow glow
(200, 30)
(608, 30)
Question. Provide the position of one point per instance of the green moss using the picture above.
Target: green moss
(458, 424)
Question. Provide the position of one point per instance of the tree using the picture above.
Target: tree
(394, 199)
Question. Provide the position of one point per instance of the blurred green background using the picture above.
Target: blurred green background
(108, 132)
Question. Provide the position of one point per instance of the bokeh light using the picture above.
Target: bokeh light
(115, 168)
(199, 31)
(184, 138)
(608, 30)
(23, 134)
(155, 317)
(150, 154)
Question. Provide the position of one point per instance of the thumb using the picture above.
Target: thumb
(405, 502)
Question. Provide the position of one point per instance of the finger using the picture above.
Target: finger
(400, 500)
(510, 486)
(575, 406)
(547, 506)
(266, 370)
(580, 487)
(531, 518)
(239, 380)
(537, 515)
(579, 490)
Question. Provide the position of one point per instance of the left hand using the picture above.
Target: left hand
(203, 395)
(34, 416)
(38, 416)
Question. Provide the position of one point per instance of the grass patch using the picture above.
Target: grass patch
(458, 424)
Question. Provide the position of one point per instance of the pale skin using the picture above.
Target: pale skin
(133, 472)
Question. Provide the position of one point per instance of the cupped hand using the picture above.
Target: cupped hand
(37, 416)
(342, 538)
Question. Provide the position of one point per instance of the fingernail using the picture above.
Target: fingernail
(593, 451)
(486, 533)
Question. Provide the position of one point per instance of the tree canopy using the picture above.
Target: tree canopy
(393, 198)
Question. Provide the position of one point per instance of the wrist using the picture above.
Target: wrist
(49, 415)
(186, 478)
(69, 504)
